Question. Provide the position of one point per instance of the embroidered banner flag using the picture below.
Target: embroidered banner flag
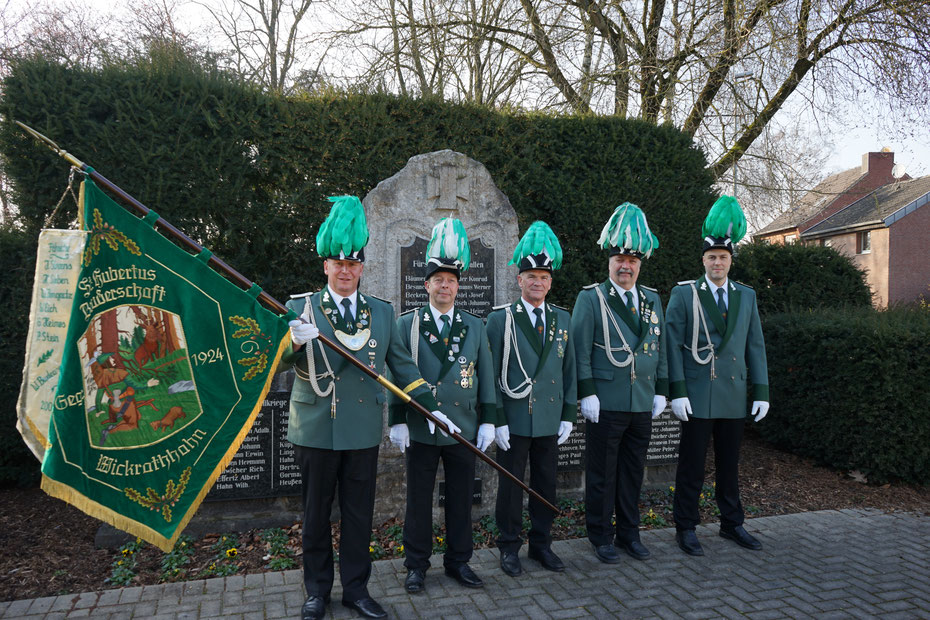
(165, 367)
(58, 263)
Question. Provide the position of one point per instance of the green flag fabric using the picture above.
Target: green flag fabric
(164, 368)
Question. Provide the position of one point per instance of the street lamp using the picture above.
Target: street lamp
(739, 77)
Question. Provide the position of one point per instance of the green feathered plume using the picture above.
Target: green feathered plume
(450, 241)
(725, 219)
(538, 239)
(627, 228)
(345, 228)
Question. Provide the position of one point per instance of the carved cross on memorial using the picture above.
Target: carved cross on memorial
(447, 188)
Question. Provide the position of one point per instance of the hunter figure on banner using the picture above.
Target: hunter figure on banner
(335, 420)
(536, 400)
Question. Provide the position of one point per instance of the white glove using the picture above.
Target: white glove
(658, 405)
(565, 429)
(400, 437)
(681, 407)
(302, 333)
(759, 409)
(485, 436)
(502, 437)
(591, 408)
(439, 415)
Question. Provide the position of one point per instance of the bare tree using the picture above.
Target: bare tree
(266, 40)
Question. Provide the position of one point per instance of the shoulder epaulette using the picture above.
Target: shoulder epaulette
(559, 308)
(463, 310)
(500, 307)
(596, 284)
(684, 282)
(299, 295)
(741, 284)
(378, 298)
(408, 311)
(648, 288)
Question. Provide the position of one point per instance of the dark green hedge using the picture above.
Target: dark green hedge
(851, 388)
(800, 277)
(247, 173)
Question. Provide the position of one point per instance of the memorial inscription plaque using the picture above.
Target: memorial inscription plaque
(476, 287)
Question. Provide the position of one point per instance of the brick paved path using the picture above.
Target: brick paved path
(828, 564)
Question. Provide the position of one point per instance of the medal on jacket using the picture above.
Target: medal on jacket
(468, 376)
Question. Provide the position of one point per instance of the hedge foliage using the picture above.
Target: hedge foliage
(800, 277)
(247, 173)
(850, 388)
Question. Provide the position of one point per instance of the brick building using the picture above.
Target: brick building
(832, 194)
(887, 233)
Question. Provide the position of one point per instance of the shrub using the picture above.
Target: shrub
(850, 388)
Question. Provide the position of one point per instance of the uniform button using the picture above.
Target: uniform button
(438, 383)
(553, 380)
(337, 400)
(362, 378)
(360, 400)
(734, 358)
(456, 404)
(439, 403)
(337, 378)
(534, 381)
(732, 378)
(551, 400)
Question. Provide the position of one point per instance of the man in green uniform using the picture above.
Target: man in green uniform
(335, 418)
(450, 348)
(619, 333)
(537, 404)
(715, 340)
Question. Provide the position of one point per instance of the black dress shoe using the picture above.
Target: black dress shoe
(414, 581)
(607, 554)
(314, 608)
(548, 559)
(741, 536)
(510, 563)
(688, 542)
(465, 576)
(367, 607)
(634, 548)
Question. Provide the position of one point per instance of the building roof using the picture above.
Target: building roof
(814, 201)
(882, 207)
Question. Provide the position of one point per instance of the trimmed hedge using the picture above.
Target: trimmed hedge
(851, 388)
(800, 277)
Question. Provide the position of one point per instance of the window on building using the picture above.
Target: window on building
(864, 242)
(791, 239)
(826, 243)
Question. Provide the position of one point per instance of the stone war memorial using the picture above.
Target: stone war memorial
(401, 212)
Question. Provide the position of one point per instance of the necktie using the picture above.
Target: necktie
(347, 314)
(721, 305)
(629, 302)
(446, 328)
(540, 326)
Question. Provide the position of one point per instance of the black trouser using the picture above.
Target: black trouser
(543, 455)
(615, 455)
(355, 472)
(689, 478)
(458, 463)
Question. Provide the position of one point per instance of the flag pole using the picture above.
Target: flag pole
(271, 302)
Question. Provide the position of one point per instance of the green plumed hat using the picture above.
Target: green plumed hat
(539, 248)
(627, 232)
(448, 248)
(344, 233)
(724, 226)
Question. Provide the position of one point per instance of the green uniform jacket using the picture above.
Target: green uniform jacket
(357, 420)
(738, 343)
(614, 387)
(551, 367)
(462, 372)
